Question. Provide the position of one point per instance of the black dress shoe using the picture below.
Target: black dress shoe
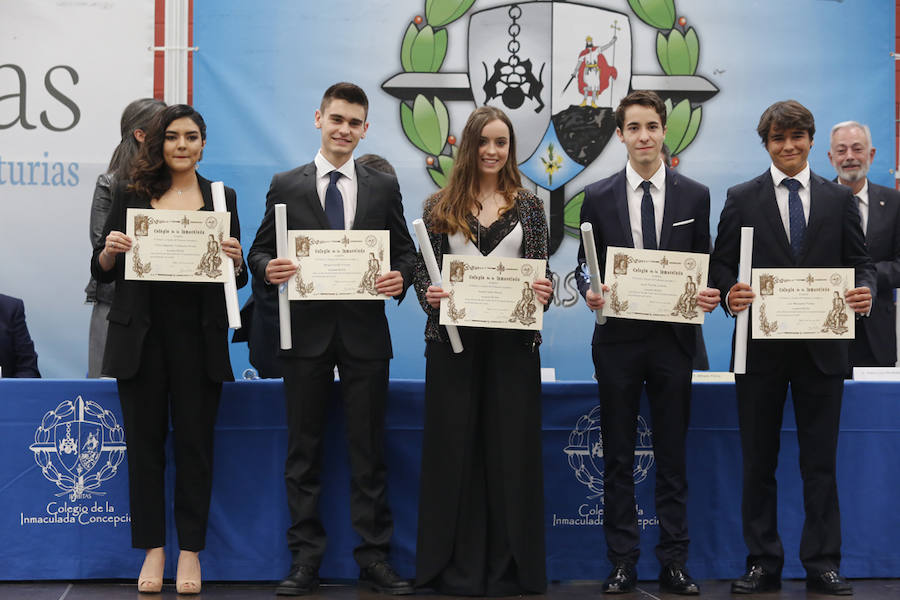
(302, 580)
(673, 579)
(622, 579)
(381, 577)
(755, 581)
(829, 582)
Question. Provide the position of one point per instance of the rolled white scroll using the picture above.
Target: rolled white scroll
(434, 273)
(231, 299)
(281, 249)
(743, 317)
(590, 254)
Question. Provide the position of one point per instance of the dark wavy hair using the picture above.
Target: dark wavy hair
(137, 115)
(150, 175)
(787, 114)
(641, 98)
(460, 195)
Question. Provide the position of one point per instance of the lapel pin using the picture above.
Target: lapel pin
(881, 202)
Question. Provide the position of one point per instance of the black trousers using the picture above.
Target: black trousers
(817, 410)
(659, 363)
(308, 386)
(171, 382)
(481, 521)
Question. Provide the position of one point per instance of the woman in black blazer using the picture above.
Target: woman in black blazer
(167, 349)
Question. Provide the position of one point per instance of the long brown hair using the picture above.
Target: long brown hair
(460, 195)
(150, 175)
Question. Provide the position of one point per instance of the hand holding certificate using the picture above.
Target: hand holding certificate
(176, 245)
(802, 304)
(657, 285)
(495, 292)
(338, 264)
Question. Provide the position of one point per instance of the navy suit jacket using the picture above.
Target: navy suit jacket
(834, 238)
(883, 243)
(17, 355)
(363, 325)
(685, 228)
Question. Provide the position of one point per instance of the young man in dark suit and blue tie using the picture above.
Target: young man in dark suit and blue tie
(335, 192)
(649, 206)
(851, 155)
(799, 220)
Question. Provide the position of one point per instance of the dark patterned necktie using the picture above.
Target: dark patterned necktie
(334, 202)
(797, 218)
(648, 218)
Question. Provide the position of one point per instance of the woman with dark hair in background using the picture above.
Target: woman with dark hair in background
(136, 117)
(481, 515)
(167, 349)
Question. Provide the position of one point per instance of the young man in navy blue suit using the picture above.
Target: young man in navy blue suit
(851, 154)
(799, 220)
(634, 208)
(335, 192)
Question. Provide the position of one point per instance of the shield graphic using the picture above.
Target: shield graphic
(558, 70)
(78, 445)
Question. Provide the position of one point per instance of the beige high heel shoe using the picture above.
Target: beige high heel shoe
(188, 577)
(151, 578)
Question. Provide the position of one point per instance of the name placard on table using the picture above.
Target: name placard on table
(494, 292)
(798, 303)
(336, 264)
(655, 285)
(176, 245)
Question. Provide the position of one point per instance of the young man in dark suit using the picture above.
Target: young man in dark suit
(335, 192)
(851, 155)
(799, 220)
(634, 208)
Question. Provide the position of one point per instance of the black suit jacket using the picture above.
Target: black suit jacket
(17, 355)
(363, 325)
(883, 243)
(685, 228)
(129, 315)
(833, 239)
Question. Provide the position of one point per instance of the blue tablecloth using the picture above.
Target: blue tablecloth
(57, 522)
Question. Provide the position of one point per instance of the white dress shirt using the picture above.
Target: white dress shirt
(346, 184)
(636, 196)
(781, 195)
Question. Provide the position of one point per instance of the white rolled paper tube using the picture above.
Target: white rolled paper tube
(231, 299)
(590, 254)
(743, 318)
(434, 273)
(281, 249)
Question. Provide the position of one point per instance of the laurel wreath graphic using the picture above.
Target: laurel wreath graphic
(76, 488)
(426, 122)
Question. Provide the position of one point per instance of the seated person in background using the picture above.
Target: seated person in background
(17, 355)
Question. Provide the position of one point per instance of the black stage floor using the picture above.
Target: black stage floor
(865, 589)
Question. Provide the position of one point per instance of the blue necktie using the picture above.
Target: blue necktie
(334, 202)
(648, 218)
(797, 219)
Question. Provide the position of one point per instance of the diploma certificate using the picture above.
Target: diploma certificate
(338, 264)
(176, 245)
(806, 304)
(488, 291)
(655, 285)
